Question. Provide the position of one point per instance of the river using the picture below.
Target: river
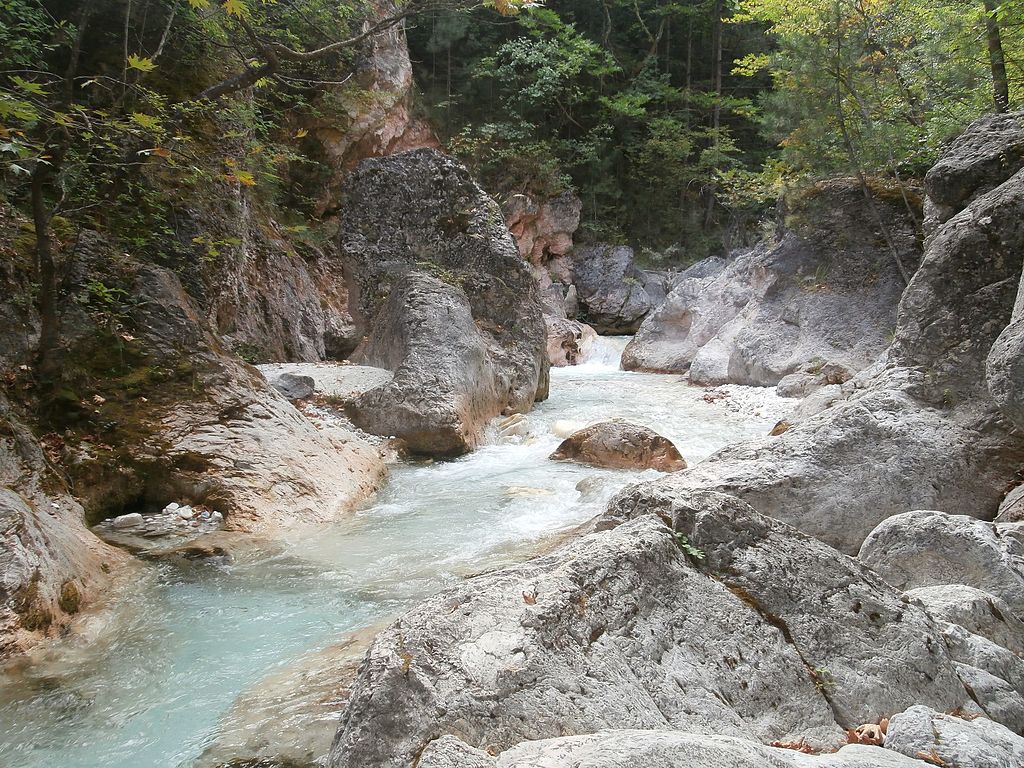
(151, 685)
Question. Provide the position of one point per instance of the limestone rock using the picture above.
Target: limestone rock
(674, 749)
(923, 549)
(422, 212)
(873, 654)
(978, 743)
(292, 386)
(612, 630)
(445, 387)
(974, 610)
(569, 341)
(620, 445)
(610, 289)
(51, 565)
(793, 307)
(918, 429)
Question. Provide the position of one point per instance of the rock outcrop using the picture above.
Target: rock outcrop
(942, 739)
(51, 565)
(825, 295)
(925, 549)
(445, 386)
(685, 612)
(610, 288)
(422, 212)
(919, 429)
(569, 341)
(620, 445)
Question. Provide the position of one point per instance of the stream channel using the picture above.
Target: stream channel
(150, 687)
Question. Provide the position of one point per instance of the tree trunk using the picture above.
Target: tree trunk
(996, 59)
(716, 110)
(46, 273)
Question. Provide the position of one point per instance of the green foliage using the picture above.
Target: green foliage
(688, 548)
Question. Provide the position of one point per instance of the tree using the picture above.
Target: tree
(75, 132)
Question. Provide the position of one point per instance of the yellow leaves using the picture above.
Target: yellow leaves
(28, 86)
(141, 63)
(301, 133)
(148, 122)
(245, 178)
(197, 5)
(236, 8)
(751, 64)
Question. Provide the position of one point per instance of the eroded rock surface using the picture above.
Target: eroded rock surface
(620, 445)
(978, 743)
(569, 341)
(826, 294)
(926, 548)
(725, 623)
(919, 429)
(422, 212)
(610, 287)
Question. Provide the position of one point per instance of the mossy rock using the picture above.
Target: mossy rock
(70, 600)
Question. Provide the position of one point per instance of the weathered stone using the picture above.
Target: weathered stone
(612, 630)
(979, 743)
(620, 445)
(569, 341)
(872, 653)
(792, 307)
(923, 549)
(610, 289)
(445, 387)
(422, 212)
(292, 386)
(975, 610)
(673, 749)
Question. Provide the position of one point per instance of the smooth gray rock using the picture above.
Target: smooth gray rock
(613, 630)
(445, 386)
(450, 752)
(918, 429)
(959, 743)
(826, 293)
(996, 697)
(973, 650)
(974, 610)
(871, 652)
(292, 386)
(672, 749)
(421, 211)
(925, 548)
(610, 288)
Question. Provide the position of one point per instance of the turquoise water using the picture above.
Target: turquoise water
(150, 687)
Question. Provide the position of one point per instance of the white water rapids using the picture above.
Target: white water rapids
(151, 686)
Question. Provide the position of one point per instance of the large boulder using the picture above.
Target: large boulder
(925, 549)
(421, 212)
(665, 749)
(445, 386)
(620, 445)
(826, 294)
(949, 740)
(543, 231)
(610, 288)
(919, 429)
(687, 612)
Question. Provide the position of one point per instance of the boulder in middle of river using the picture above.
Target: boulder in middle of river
(620, 445)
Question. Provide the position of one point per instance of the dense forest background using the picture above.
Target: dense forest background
(676, 123)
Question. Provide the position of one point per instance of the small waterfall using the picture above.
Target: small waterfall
(605, 355)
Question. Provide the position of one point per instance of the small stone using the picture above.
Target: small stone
(127, 521)
(172, 507)
(204, 515)
(185, 513)
(217, 517)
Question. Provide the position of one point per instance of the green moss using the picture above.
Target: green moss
(28, 602)
(70, 600)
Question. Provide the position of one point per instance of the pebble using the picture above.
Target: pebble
(172, 507)
(185, 513)
(216, 517)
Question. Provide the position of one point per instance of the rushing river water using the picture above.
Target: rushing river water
(151, 686)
